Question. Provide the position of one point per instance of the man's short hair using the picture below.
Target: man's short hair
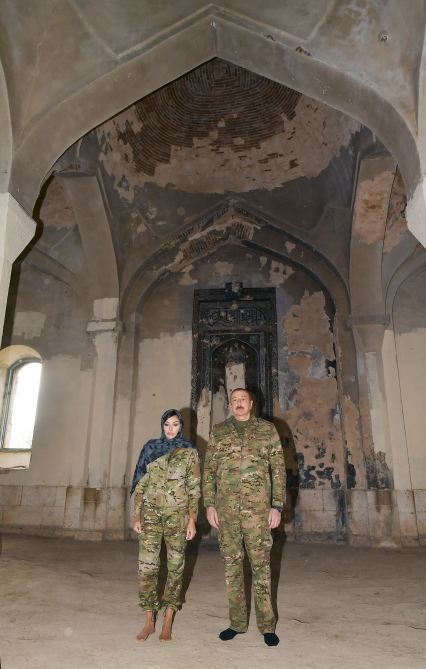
(243, 390)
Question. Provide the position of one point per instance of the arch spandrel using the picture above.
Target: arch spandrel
(230, 223)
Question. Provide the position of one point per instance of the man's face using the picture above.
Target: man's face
(241, 405)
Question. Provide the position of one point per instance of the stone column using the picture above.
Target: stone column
(416, 212)
(104, 330)
(369, 337)
(16, 231)
(403, 484)
(382, 511)
(120, 505)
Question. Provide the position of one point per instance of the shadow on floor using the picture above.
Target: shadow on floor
(211, 544)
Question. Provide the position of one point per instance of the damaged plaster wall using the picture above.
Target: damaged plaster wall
(171, 175)
(308, 415)
(233, 143)
(220, 132)
(314, 413)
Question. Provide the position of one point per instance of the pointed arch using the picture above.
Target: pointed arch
(209, 33)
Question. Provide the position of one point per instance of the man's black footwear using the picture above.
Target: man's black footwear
(228, 634)
(271, 639)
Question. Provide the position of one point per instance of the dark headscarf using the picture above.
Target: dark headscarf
(155, 448)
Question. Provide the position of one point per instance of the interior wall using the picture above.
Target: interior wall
(409, 315)
(47, 310)
(242, 163)
(46, 318)
(163, 381)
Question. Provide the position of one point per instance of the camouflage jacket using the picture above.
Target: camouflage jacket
(173, 480)
(248, 473)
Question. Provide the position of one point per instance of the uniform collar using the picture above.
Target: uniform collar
(251, 423)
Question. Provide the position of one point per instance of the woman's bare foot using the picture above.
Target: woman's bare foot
(148, 628)
(166, 631)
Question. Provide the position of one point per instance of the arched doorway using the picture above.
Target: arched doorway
(235, 345)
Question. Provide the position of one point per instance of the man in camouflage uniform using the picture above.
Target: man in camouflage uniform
(244, 494)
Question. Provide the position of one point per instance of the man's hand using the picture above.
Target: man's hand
(274, 519)
(212, 517)
(137, 527)
(190, 529)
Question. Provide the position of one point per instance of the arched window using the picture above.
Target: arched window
(20, 404)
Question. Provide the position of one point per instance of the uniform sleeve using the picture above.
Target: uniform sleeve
(138, 499)
(278, 473)
(193, 481)
(209, 474)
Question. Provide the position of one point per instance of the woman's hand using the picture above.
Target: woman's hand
(190, 529)
(137, 527)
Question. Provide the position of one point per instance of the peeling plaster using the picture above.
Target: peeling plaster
(307, 374)
(137, 224)
(396, 225)
(117, 158)
(355, 464)
(279, 273)
(318, 440)
(371, 207)
(203, 417)
(314, 415)
(302, 148)
(303, 319)
(235, 376)
(219, 406)
(200, 242)
(300, 363)
(383, 473)
(186, 278)
(223, 268)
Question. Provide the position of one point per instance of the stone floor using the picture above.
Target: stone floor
(73, 605)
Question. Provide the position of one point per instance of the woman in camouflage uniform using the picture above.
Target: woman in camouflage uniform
(167, 488)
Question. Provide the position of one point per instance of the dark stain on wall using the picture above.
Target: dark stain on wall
(311, 476)
(378, 473)
(341, 512)
(384, 474)
(350, 471)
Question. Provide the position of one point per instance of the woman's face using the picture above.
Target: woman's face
(171, 427)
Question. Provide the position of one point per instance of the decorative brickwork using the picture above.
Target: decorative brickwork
(240, 107)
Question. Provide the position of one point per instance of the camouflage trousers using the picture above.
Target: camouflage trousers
(157, 524)
(250, 529)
